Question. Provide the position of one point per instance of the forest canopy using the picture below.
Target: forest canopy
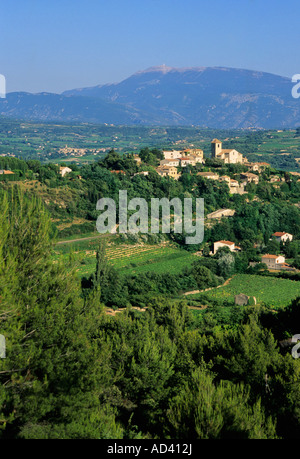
(72, 371)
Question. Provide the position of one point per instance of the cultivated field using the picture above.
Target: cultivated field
(274, 292)
(126, 258)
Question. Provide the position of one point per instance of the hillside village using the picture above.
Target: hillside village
(178, 159)
(175, 160)
(227, 156)
(224, 166)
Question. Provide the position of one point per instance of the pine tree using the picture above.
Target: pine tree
(205, 410)
(55, 369)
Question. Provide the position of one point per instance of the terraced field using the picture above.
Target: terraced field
(127, 258)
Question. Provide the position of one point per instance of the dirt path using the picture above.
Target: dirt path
(111, 312)
(89, 238)
(192, 292)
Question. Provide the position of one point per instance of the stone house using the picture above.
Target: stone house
(170, 162)
(194, 152)
(243, 300)
(173, 154)
(225, 178)
(248, 177)
(257, 167)
(273, 261)
(208, 175)
(168, 171)
(234, 186)
(188, 160)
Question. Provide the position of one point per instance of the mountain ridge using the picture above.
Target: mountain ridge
(217, 97)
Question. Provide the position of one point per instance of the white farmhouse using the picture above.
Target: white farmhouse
(282, 236)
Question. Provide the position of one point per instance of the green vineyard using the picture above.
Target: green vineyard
(273, 292)
(128, 259)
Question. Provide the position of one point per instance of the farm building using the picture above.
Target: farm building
(282, 236)
(231, 245)
(273, 261)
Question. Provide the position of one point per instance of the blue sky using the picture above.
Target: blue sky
(56, 45)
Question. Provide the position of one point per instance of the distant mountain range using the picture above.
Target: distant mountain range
(213, 97)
